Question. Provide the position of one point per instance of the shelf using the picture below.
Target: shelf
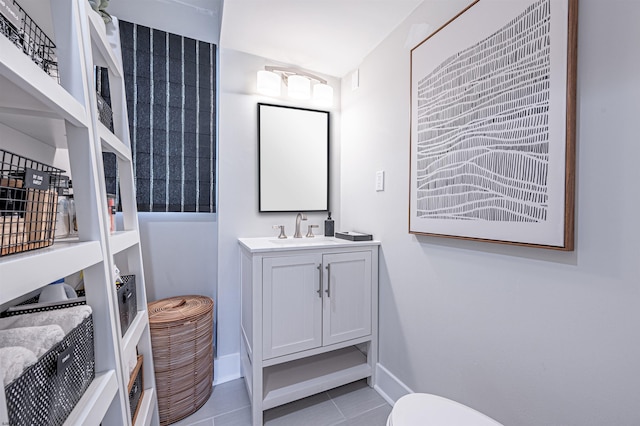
(123, 240)
(315, 351)
(102, 51)
(28, 91)
(111, 143)
(146, 408)
(95, 402)
(24, 272)
(132, 336)
(293, 380)
(50, 131)
(35, 107)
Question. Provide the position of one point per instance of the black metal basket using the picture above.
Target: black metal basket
(46, 392)
(21, 30)
(24, 308)
(105, 113)
(28, 203)
(127, 301)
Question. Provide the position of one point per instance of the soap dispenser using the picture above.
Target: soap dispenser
(328, 227)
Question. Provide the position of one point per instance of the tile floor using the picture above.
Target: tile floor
(355, 404)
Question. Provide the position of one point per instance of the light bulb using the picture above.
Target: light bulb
(268, 83)
(299, 87)
(323, 94)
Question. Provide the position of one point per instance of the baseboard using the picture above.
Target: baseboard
(226, 368)
(389, 386)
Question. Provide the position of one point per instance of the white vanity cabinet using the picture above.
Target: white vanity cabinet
(309, 317)
(347, 291)
(314, 300)
(291, 304)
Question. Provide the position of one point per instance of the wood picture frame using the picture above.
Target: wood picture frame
(493, 112)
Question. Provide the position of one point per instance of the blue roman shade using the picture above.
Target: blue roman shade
(170, 85)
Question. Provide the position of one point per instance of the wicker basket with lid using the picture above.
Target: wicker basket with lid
(182, 341)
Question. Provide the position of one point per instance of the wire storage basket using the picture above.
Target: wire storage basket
(28, 203)
(182, 345)
(127, 301)
(21, 30)
(105, 113)
(47, 391)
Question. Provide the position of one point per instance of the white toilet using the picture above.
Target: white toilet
(423, 409)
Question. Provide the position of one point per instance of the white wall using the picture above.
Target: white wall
(528, 336)
(238, 184)
(26, 146)
(179, 254)
(197, 19)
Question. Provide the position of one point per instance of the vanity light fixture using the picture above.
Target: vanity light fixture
(298, 84)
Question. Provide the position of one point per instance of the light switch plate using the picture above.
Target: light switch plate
(380, 180)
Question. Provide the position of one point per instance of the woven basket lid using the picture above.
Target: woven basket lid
(178, 309)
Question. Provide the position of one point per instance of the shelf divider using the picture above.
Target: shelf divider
(33, 89)
(122, 240)
(102, 51)
(24, 272)
(111, 143)
(146, 408)
(132, 336)
(95, 402)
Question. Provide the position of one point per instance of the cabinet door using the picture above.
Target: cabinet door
(292, 304)
(347, 296)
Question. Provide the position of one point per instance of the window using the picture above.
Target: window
(170, 84)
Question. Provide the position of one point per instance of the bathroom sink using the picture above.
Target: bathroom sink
(274, 244)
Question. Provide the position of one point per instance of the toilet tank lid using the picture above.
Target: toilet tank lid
(427, 409)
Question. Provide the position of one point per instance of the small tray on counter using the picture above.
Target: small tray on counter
(353, 236)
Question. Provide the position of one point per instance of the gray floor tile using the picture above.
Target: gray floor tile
(316, 410)
(355, 404)
(356, 398)
(241, 417)
(205, 422)
(196, 419)
(376, 417)
(227, 397)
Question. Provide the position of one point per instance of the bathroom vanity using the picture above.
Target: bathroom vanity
(309, 317)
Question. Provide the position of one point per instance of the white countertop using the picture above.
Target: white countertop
(271, 244)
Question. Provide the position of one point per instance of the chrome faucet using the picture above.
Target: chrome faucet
(299, 217)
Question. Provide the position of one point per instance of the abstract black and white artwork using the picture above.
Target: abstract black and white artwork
(492, 125)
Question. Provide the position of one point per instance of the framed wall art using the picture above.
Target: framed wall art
(493, 125)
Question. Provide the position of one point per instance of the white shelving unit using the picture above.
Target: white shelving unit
(62, 118)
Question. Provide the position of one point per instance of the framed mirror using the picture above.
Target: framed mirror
(293, 151)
